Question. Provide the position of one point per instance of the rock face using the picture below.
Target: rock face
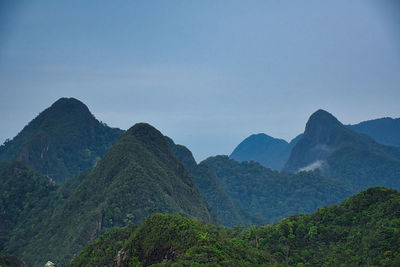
(61, 141)
(139, 176)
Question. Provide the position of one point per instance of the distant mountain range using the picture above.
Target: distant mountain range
(67, 178)
(345, 155)
(385, 130)
(273, 152)
(264, 149)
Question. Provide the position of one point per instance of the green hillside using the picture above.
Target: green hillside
(139, 176)
(10, 261)
(362, 231)
(272, 195)
(228, 212)
(61, 141)
(23, 192)
(170, 240)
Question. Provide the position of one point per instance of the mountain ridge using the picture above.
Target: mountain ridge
(345, 155)
(61, 141)
(137, 177)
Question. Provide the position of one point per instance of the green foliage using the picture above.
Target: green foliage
(103, 251)
(171, 240)
(61, 141)
(10, 261)
(366, 166)
(273, 195)
(228, 212)
(139, 176)
(362, 231)
(22, 192)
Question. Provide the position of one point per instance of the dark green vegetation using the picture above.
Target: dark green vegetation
(345, 155)
(10, 261)
(170, 240)
(103, 251)
(264, 149)
(228, 212)
(362, 231)
(139, 176)
(23, 192)
(272, 195)
(385, 130)
(144, 173)
(62, 141)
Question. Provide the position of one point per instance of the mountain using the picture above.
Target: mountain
(385, 130)
(264, 149)
(138, 176)
(170, 240)
(11, 261)
(228, 212)
(362, 231)
(272, 195)
(61, 141)
(344, 155)
(22, 191)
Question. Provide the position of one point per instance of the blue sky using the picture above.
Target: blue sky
(206, 73)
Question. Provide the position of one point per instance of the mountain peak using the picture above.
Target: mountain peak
(267, 150)
(322, 135)
(68, 105)
(65, 128)
(320, 124)
(146, 133)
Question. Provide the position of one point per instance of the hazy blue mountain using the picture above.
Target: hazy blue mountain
(61, 141)
(385, 130)
(264, 149)
(228, 212)
(272, 195)
(137, 177)
(344, 154)
(273, 152)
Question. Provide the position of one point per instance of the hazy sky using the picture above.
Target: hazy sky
(207, 73)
